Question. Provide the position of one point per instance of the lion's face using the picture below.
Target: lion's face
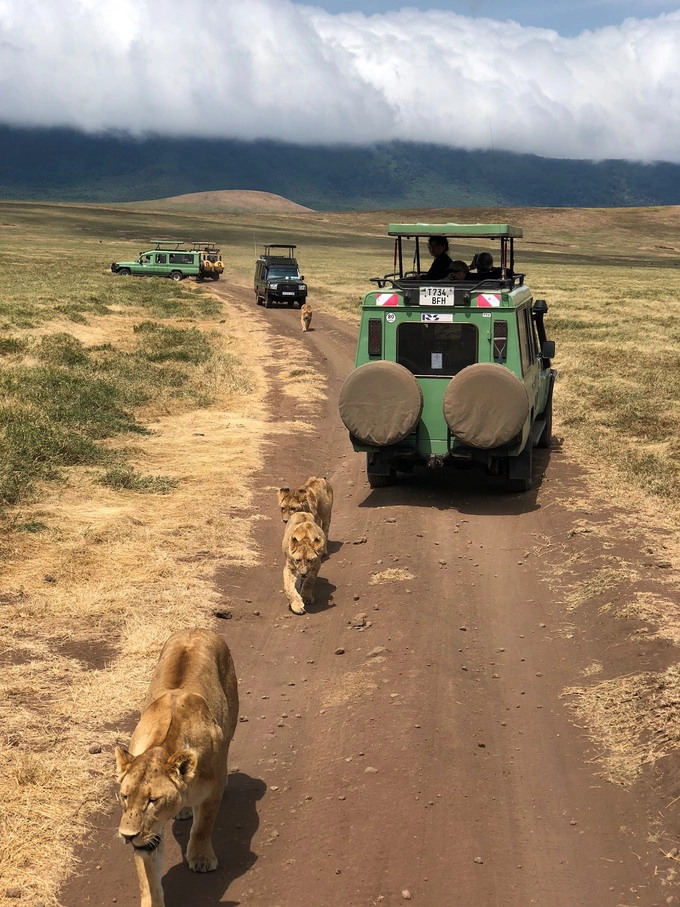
(152, 787)
(305, 549)
(292, 502)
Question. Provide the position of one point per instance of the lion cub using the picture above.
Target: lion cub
(304, 542)
(177, 759)
(315, 497)
(305, 316)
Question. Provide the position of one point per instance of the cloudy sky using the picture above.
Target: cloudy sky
(586, 79)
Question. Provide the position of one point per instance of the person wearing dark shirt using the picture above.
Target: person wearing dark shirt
(438, 247)
(483, 262)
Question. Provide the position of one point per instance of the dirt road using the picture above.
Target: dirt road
(410, 737)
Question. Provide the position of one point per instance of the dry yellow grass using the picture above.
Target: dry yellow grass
(85, 611)
(660, 613)
(633, 720)
(393, 575)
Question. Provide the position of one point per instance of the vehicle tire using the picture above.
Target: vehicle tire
(380, 403)
(267, 301)
(125, 272)
(545, 440)
(377, 481)
(215, 276)
(485, 405)
(176, 275)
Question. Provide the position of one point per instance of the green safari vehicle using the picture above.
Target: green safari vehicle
(169, 259)
(451, 372)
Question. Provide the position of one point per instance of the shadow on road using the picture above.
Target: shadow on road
(461, 489)
(323, 591)
(237, 822)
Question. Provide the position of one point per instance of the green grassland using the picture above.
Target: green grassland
(610, 278)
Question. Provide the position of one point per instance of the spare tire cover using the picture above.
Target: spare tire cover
(485, 405)
(380, 403)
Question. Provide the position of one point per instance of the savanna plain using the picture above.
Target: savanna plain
(137, 417)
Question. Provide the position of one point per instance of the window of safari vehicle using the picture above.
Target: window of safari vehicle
(283, 273)
(528, 346)
(182, 258)
(436, 350)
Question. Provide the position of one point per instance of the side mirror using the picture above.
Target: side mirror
(548, 349)
(301, 277)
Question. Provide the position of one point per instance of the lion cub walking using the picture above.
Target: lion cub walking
(314, 497)
(304, 541)
(305, 316)
(177, 759)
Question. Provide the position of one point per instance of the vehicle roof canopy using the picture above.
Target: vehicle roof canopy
(198, 245)
(480, 231)
(275, 249)
(168, 245)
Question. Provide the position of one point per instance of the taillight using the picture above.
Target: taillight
(375, 337)
(500, 341)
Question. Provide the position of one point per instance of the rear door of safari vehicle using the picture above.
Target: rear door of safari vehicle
(435, 343)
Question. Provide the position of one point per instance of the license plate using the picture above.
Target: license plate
(287, 293)
(436, 296)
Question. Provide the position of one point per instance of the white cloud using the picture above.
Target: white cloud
(273, 69)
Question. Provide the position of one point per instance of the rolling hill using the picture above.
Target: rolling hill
(224, 201)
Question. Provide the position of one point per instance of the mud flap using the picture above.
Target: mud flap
(379, 473)
(520, 469)
(375, 466)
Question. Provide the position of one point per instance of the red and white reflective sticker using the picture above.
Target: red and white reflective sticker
(386, 299)
(488, 300)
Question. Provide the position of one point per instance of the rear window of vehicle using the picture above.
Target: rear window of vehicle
(432, 349)
(181, 258)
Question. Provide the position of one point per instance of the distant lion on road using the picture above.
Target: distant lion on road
(305, 316)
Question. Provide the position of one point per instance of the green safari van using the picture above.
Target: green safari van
(451, 371)
(168, 259)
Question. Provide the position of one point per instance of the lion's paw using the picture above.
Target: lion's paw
(183, 814)
(297, 608)
(202, 863)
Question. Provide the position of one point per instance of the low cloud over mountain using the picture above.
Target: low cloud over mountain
(276, 70)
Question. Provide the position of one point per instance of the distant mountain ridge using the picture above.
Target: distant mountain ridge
(62, 165)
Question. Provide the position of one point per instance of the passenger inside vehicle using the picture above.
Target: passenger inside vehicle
(438, 247)
(482, 268)
(459, 271)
